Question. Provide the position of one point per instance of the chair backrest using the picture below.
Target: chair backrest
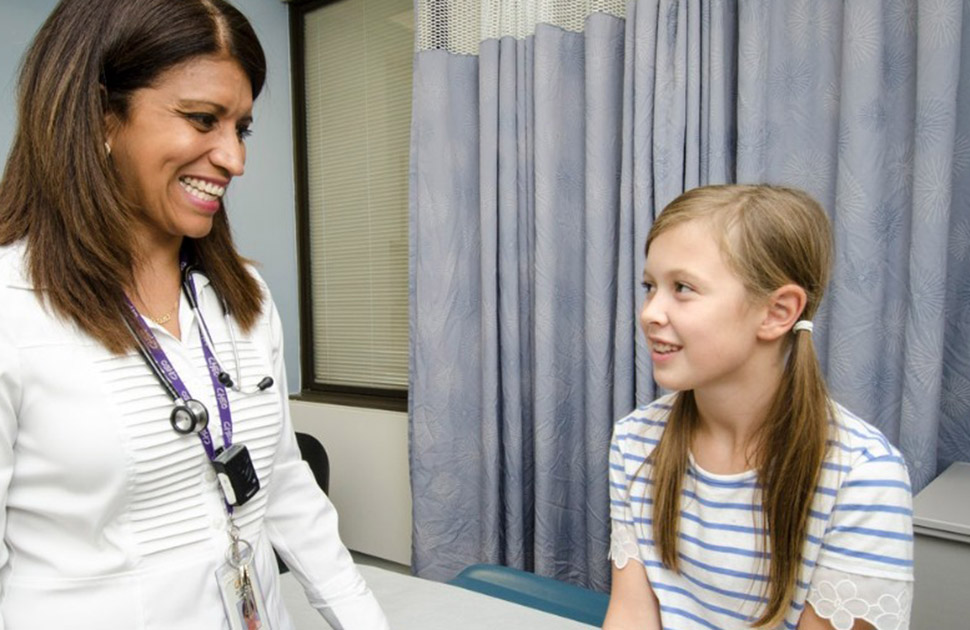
(315, 455)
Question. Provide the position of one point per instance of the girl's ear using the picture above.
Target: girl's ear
(784, 307)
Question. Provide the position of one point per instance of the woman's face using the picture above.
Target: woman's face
(181, 144)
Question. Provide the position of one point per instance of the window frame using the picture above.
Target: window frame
(313, 390)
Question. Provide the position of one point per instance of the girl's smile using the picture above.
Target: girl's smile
(661, 350)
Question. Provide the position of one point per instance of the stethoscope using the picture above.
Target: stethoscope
(189, 415)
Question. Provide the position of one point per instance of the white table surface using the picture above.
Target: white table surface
(412, 603)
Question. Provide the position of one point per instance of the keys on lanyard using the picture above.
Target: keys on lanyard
(241, 594)
(249, 611)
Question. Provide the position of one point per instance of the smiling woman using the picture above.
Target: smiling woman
(97, 69)
(180, 144)
(127, 315)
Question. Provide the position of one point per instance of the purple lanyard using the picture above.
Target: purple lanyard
(151, 344)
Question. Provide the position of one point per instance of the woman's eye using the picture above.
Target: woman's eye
(205, 121)
(244, 131)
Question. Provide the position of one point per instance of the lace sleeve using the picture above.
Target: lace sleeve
(623, 544)
(843, 598)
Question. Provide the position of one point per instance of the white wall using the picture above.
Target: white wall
(369, 481)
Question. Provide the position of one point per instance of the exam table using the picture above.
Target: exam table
(412, 603)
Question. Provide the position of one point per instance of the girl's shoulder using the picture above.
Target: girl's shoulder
(859, 436)
(643, 426)
(651, 413)
(855, 443)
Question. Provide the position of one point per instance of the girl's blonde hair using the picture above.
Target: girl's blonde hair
(770, 236)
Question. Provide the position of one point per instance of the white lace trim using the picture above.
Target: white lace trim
(843, 597)
(459, 25)
(623, 544)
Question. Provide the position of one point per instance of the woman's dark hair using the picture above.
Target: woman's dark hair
(59, 191)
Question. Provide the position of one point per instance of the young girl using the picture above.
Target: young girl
(748, 498)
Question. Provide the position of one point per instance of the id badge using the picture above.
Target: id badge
(242, 598)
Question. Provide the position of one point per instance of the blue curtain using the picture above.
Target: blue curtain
(537, 168)
(859, 103)
(517, 317)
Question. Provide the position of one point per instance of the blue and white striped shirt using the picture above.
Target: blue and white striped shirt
(859, 531)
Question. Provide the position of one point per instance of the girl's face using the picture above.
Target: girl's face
(699, 320)
(181, 143)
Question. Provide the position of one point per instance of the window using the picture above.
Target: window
(352, 92)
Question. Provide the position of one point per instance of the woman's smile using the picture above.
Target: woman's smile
(204, 194)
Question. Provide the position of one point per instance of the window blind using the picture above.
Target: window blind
(358, 57)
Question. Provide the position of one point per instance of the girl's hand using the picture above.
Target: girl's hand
(811, 621)
(633, 606)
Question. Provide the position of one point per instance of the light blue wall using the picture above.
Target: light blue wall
(18, 23)
(261, 204)
(262, 207)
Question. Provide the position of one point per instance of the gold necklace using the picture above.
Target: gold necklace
(161, 320)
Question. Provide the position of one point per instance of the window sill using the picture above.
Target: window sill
(386, 403)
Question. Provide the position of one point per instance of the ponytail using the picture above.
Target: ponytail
(792, 444)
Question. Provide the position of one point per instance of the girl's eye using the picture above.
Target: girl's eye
(680, 287)
(647, 286)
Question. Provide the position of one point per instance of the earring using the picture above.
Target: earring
(107, 148)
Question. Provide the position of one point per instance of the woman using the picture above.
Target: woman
(128, 317)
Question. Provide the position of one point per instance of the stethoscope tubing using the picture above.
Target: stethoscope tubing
(153, 365)
(190, 415)
(188, 287)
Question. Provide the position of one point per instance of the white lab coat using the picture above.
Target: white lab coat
(110, 519)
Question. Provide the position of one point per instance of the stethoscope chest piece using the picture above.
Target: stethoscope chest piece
(189, 417)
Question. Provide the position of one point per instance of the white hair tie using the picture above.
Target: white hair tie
(803, 324)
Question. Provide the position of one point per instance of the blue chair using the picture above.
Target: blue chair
(535, 591)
